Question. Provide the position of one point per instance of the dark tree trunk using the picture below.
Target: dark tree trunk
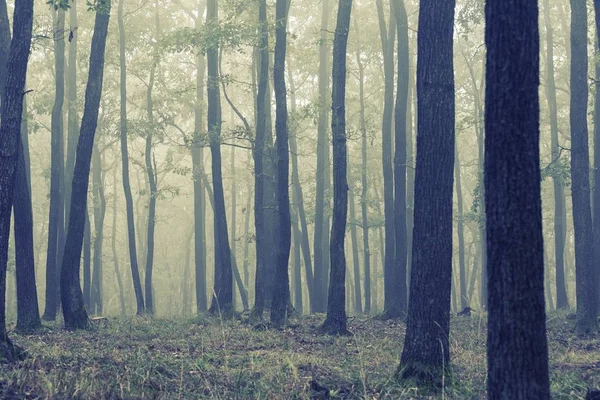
(28, 313)
(464, 301)
(223, 277)
(355, 258)
(558, 185)
(321, 224)
(72, 119)
(232, 240)
(281, 292)
(56, 212)
(364, 187)
(426, 353)
(258, 152)
(596, 204)
(246, 212)
(390, 273)
(133, 260)
(99, 202)
(517, 351)
(410, 171)
(585, 274)
(335, 323)
(10, 130)
(4, 46)
(185, 284)
(398, 302)
(114, 246)
(297, 265)
(72, 299)
(87, 263)
(198, 171)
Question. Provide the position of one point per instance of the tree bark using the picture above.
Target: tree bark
(114, 246)
(99, 202)
(464, 301)
(585, 274)
(355, 257)
(517, 351)
(426, 353)
(72, 299)
(133, 260)
(596, 199)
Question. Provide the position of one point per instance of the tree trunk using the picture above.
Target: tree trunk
(72, 300)
(246, 212)
(335, 323)
(321, 224)
(560, 217)
(87, 263)
(426, 354)
(585, 274)
(297, 264)
(517, 350)
(281, 292)
(464, 301)
(355, 258)
(99, 202)
(185, 284)
(398, 301)
(596, 203)
(223, 281)
(4, 46)
(114, 246)
(56, 212)
(233, 217)
(133, 260)
(10, 131)
(72, 119)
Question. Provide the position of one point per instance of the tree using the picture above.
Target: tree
(133, 260)
(11, 112)
(335, 323)
(281, 288)
(56, 211)
(560, 217)
(99, 206)
(223, 281)
(396, 305)
(426, 353)
(517, 351)
(585, 274)
(464, 299)
(4, 45)
(596, 199)
(72, 299)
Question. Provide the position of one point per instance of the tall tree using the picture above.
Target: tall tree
(114, 245)
(223, 281)
(72, 299)
(150, 169)
(560, 217)
(355, 258)
(426, 352)
(585, 274)
(335, 323)
(464, 300)
(281, 285)
(11, 112)
(72, 118)
(396, 306)
(517, 351)
(56, 212)
(596, 203)
(99, 203)
(322, 176)
(133, 260)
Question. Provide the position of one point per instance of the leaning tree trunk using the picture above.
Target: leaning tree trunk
(56, 212)
(517, 350)
(223, 281)
(426, 353)
(560, 217)
(281, 292)
(133, 260)
(335, 323)
(585, 273)
(10, 130)
(72, 299)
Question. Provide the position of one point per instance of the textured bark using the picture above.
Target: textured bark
(397, 305)
(56, 212)
(133, 260)
(281, 292)
(426, 353)
(28, 313)
(462, 292)
(223, 277)
(10, 130)
(99, 202)
(596, 194)
(585, 275)
(390, 307)
(321, 224)
(335, 323)
(560, 217)
(517, 350)
(4, 45)
(72, 300)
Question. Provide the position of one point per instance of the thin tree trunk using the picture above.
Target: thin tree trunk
(246, 212)
(464, 301)
(99, 213)
(297, 263)
(114, 246)
(87, 263)
(133, 260)
(72, 120)
(355, 257)
(596, 199)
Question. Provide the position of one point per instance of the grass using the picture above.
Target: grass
(139, 358)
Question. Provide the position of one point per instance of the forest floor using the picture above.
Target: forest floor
(139, 358)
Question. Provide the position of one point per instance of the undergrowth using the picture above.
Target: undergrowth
(206, 357)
